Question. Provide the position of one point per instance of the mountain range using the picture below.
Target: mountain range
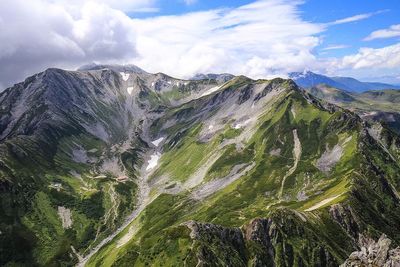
(309, 79)
(114, 166)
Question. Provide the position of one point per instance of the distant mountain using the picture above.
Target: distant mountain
(392, 96)
(331, 94)
(375, 105)
(389, 79)
(309, 79)
(357, 86)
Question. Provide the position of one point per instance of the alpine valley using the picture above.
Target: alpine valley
(112, 166)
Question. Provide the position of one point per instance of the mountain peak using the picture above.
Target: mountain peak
(308, 79)
(115, 67)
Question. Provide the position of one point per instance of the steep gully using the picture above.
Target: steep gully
(143, 199)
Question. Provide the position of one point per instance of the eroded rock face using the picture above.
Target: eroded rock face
(346, 218)
(217, 245)
(261, 242)
(374, 254)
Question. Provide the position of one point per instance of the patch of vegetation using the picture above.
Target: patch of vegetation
(230, 158)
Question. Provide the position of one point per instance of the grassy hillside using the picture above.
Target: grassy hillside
(306, 232)
(171, 173)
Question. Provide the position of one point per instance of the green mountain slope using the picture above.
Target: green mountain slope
(381, 106)
(175, 228)
(205, 172)
(70, 152)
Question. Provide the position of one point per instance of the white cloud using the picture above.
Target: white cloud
(373, 58)
(259, 39)
(38, 34)
(356, 18)
(123, 5)
(262, 39)
(392, 31)
(334, 47)
(190, 2)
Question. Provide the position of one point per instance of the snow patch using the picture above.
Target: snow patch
(153, 161)
(125, 76)
(158, 141)
(129, 89)
(241, 125)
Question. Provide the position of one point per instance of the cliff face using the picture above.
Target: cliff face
(261, 242)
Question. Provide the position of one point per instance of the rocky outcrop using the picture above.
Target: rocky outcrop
(261, 242)
(346, 218)
(374, 254)
(217, 245)
(260, 232)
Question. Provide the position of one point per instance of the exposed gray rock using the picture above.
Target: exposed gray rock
(224, 77)
(346, 218)
(301, 195)
(257, 243)
(373, 254)
(275, 152)
(329, 158)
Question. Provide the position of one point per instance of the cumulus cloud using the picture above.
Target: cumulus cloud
(258, 39)
(386, 57)
(392, 31)
(39, 34)
(263, 39)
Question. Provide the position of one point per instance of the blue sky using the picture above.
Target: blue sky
(350, 35)
(260, 38)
